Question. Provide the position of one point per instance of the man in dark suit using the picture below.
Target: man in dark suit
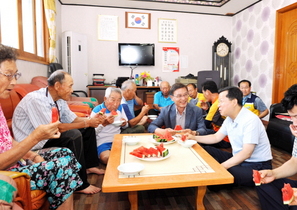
(188, 116)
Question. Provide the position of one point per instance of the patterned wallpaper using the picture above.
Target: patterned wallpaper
(253, 46)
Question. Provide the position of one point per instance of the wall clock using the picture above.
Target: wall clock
(221, 60)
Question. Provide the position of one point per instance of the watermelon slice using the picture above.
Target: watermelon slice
(114, 113)
(257, 177)
(183, 138)
(137, 154)
(55, 114)
(102, 111)
(143, 152)
(167, 137)
(288, 194)
(178, 128)
(163, 151)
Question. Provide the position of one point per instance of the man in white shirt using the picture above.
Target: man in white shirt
(247, 135)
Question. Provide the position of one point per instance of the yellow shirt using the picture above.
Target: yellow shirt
(200, 97)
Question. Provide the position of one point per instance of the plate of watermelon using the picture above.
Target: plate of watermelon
(166, 138)
(151, 154)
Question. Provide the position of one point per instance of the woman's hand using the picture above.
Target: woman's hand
(37, 159)
(49, 131)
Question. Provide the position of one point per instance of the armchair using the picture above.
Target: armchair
(278, 130)
(27, 199)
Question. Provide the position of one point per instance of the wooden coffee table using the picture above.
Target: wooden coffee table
(114, 182)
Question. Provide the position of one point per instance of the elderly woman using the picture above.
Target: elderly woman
(56, 173)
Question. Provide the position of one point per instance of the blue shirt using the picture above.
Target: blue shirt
(247, 128)
(161, 101)
(131, 104)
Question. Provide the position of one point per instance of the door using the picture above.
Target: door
(285, 65)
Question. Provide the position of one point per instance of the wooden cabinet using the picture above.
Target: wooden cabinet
(149, 98)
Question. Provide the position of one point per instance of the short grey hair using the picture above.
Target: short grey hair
(56, 76)
(109, 90)
(127, 85)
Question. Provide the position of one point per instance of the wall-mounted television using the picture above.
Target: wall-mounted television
(136, 54)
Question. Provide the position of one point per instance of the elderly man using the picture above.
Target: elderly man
(188, 116)
(35, 109)
(135, 123)
(195, 97)
(106, 130)
(247, 135)
(161, 98)
(251, 101)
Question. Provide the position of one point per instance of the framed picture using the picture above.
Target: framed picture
(108, 28)
(138, 20)
(167, 30)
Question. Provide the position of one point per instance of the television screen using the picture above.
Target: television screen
(134, 54)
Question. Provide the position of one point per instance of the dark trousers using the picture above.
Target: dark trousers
(243, 173)
(270, 195)
(153, 112)
(221, 144)
(83, 144)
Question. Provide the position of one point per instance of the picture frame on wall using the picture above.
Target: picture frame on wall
(108, 28)
(167, 30)
(138, 20)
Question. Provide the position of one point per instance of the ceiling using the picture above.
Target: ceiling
(211, 7)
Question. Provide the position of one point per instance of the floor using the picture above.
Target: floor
(176, 199)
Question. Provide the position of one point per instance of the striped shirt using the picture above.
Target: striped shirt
(34, 110)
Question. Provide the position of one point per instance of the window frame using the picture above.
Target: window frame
(33, 57)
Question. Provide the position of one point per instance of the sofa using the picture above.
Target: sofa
(278, 130)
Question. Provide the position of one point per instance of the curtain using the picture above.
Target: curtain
(50, 14)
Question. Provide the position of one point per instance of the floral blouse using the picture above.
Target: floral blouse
(5, 136)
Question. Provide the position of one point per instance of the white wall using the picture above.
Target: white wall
(196, 35)
(251, 33)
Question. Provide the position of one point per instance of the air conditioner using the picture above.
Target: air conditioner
(75, 58)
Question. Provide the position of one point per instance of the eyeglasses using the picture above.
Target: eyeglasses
(11, 76)
(186, 95)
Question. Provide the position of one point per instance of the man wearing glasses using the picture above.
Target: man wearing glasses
(188, 116)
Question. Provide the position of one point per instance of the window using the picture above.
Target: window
(23, 26)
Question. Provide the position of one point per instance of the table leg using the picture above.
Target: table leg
(200, 192)
(133, 198)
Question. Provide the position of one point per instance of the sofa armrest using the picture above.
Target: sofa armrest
(276, 109)
(22, 180)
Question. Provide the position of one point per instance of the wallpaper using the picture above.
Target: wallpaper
(253, 46)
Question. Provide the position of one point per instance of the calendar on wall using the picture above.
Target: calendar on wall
(167, 30)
